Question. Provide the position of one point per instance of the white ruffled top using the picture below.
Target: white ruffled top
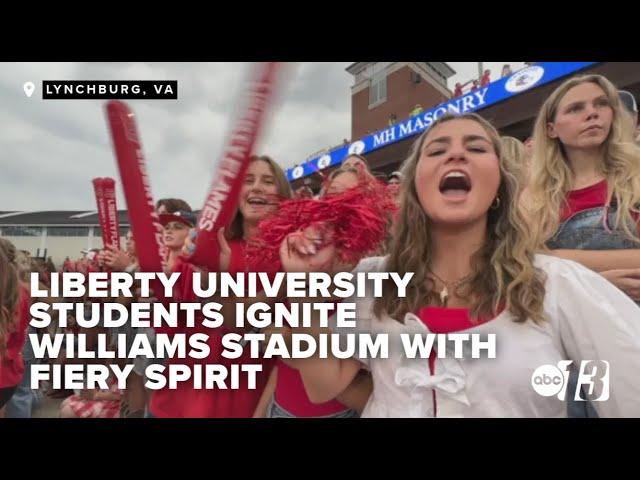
(589, 319)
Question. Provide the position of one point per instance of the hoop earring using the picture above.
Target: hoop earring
(496, 204)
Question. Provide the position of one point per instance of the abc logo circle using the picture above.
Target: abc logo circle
(547, 380)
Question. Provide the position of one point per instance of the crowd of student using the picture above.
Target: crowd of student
(537, 242)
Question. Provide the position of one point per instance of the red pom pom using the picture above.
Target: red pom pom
(358, 218)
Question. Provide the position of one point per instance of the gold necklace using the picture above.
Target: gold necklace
(444, 293)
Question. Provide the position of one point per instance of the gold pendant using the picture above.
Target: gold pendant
(444, 296)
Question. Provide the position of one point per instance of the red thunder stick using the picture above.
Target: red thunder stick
(143, 218)
(98, 188)
(111, 212)
(222, 199)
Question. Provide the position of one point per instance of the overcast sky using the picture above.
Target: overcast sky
(51, 149)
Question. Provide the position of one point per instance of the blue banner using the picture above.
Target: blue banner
(498, 91)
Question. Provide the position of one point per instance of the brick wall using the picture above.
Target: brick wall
(402, 95)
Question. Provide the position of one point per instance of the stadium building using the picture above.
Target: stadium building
(56, 234)
(391, 104)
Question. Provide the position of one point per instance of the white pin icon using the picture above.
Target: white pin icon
(29, 88)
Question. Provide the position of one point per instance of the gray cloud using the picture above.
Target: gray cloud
(50, 150)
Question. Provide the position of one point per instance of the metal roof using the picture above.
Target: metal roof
(57, 218)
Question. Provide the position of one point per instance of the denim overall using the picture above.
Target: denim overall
(25, 399)
(588, 230)
(276, 411)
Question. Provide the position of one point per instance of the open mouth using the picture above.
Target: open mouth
(256, 201)
(455, 184)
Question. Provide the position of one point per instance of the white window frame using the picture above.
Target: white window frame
(377, 91)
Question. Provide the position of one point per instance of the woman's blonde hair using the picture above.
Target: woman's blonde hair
(552, 175)
(336, 173)
(23, 265)
(502, 270)
(9, 292)
(515, 155)
(358, 156)
(282, 185)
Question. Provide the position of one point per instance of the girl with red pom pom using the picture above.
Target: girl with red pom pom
(265, 185)
(351, 197)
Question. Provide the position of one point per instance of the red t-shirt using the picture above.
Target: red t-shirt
(447, 320)
(185, 401)
(292, 396)
(592, 196)
(12, 363)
